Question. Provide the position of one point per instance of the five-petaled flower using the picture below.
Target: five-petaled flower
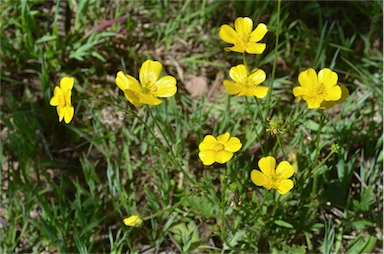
(320, 91)
(242, 37)
(246, 84)
(269, 177)
(150, 87)
(218, 149)
(62, 99)
(133, 221)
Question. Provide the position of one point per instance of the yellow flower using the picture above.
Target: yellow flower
(320, 91)
(243, 38)
(271, 178)
(150, 87)
(246, 84)
(218, 149)
(133, 221)
(62, 99)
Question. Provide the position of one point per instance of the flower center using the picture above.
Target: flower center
(218, 147)
(275, 180)
(319, 90)
(148, 88)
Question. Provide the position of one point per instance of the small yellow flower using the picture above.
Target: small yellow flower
(243, 38)
(271, 178)
(218, 149)
(62, 99)
(246, 84)
(150, 87)
(320, 91)
(133, 221)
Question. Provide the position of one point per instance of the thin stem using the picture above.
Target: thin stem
(174, 160)
(315, 173)
(281, 147)
(274, 61)
(160, 129)
(167, 209)
(254, 124)
(223, 202)
(259, 114)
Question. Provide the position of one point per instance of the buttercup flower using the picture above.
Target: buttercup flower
(243, 38)
(150, 87)
(271, 178)
(62, 99)
(218, 149)
(320, 91)
(246, 84)
(133, 221)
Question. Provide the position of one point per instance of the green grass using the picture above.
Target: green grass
(67, 188)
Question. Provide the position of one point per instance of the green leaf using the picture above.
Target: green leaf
(46, 38)
(283, 224)
(362, 244)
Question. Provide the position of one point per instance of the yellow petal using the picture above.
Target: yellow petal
(258, 33)
(125, 81)
(133, 221)
(223, 138)
(239, 47)
(333, 94)
(60, 112)
(239, 73)
(314, 102)
(260, 91)
(308, 78)
(285, 186)
(257, 77)
(243, 26)
(231, 87)
(69, 112)
(327, 77)
(149, 99)
(228, 34)
(285, 170)
(132, 97)
(233, 145)
(208, 142)
(223, 156)
(298, 91)
(207, 157)
(267, 165)
(68, 98)
(258, 178)
(150, 72)
(66, 84)
(57, 91)
(55, 101)
(166, 86)
(344, 94)
(344, 97)
(255, 48)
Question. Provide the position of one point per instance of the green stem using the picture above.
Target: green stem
(167, 209)
(281, 147)
(223, 202)
(274, 61)
(174, 160)
(323, 161)
(259, 114)
(315, 173)
(254, 124)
